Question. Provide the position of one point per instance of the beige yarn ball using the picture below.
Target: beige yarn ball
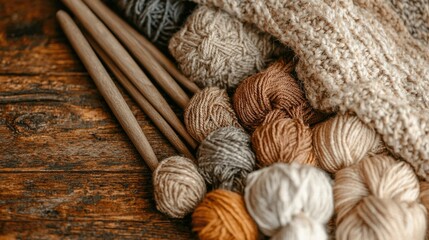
(377, 199)
(342, 141)
(290, 201)
(215, 49)
(178, 187)
(208, 111)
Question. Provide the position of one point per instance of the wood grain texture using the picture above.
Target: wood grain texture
(94, 230)
(67, 169)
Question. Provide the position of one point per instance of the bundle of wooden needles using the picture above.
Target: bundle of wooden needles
(119, 46)
(178, 186)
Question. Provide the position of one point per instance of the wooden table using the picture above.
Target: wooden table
(67, 169)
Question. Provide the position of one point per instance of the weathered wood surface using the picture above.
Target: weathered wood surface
(67, 169)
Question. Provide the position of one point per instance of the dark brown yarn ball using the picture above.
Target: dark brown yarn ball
(284, 140)
(272, 90)
(223, 215)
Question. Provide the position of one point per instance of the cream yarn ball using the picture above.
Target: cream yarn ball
(290, 201)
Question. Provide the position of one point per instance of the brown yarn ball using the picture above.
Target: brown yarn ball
(424, 194)
(178, 186)
(378, 198)
(272, 90)
(208, 111)
(284, 140)
(223, 215)
(424, 198)
(343, 141)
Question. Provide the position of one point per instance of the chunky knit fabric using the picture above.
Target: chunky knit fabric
(358, 56)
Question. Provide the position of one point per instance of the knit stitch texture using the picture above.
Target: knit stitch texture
(415, 14)
(358, 56)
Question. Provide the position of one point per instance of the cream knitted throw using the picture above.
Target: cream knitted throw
(363, 56)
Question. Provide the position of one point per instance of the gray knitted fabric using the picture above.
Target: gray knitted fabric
(415, 14)
(357, 56)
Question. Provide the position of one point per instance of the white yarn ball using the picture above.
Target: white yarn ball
(290, 201)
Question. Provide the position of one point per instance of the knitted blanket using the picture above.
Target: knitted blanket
(370, 57)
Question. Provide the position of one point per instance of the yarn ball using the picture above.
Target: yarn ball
(225, 158)
(285, 140)
(223, 215)
(158, 20)
(290, 201)
(343, 141)
(178, 186)
(215, 49)
(424, 198)
(378, 198)
(208, 111)
(272, 94)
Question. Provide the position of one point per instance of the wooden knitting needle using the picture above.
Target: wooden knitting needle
(156, 118)
(127, 65)
(108, 89)
(162, 59)
(154, 51)
(140, 53)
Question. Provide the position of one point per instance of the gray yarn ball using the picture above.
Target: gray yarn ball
(225, 158)
(158, 20)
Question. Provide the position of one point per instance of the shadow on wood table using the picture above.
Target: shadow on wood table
(67, 169)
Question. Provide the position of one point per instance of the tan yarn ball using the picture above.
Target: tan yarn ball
(377, 199)
(178, 186)
(215, 49)
(284, 140)
(208, 111)
(223, 215)
(342, 141)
